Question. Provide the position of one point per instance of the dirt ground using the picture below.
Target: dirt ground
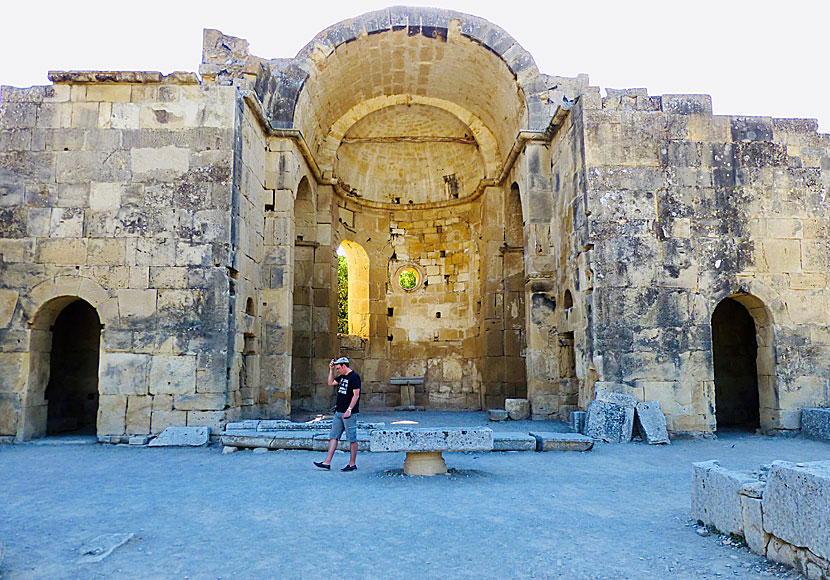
(617, 512)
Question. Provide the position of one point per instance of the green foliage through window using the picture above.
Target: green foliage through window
(342, 295)
(408, 279)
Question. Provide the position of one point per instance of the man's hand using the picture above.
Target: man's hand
(347, 414)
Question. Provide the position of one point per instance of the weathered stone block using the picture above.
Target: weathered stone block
(173, 375)
(123, 373)
(161, 420)
(578, 421)
(651, 423)
(200, 402)
(138, 414)
(517, 409)
(616, 398)
(496, 414)
(320, 441)
(562, 441)
(432, 440)
(753, 525)
(506, 441)
(112, 412)
(182, 437)
(715, 497)
(815, 423)
(609, 422)
(796, 503)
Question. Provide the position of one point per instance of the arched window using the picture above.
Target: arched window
(357, 283)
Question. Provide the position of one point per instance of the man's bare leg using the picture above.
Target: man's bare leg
(352, 452)
(330, 454)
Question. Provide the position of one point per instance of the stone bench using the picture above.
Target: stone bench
(424, 447)
(407, 385)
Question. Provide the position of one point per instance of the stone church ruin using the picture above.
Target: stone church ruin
(168, 243)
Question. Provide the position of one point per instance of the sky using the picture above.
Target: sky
(753, 57)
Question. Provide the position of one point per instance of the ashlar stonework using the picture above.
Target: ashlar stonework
(560, 239)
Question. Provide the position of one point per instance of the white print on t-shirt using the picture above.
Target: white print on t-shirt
(344, 383)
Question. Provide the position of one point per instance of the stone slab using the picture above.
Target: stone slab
(506, 441)
(431, 440)
(796, 504)
(139, 439)
(182, 437)
(621, 399)
(552, 441)
(291, 439)
(715, 497)
(651, 423)
(609, 422)
(497, 414)
(517, 409)
(320, 442)
(815, 423)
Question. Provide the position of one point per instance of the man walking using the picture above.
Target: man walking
(348, 405)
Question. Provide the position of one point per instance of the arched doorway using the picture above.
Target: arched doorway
(72, 391)
(734, 353)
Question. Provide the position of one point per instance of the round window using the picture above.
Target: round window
(408, 278)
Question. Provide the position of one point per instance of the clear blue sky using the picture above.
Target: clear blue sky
(753, 57)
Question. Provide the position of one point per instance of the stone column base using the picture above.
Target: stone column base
(424, 463)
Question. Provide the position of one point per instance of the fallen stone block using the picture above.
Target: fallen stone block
(578, 421)
(651, 423)
(260, 450)
(796, 503)
(517, 409)
(609, 422)
(182, 437)
(815, 423)
(227, 449)
(715, 498)
(621, 399)
(102, 546)
(552, 441)
(291, 439)
(497, 414)
(139, 439)
(246, 424)
(320, 442)
(513, 442)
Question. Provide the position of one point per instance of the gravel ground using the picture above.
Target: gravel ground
(617, 512)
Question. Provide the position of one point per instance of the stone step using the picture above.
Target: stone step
(549, 441)
(506, 441)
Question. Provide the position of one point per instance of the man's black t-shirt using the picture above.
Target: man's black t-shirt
(346, 385)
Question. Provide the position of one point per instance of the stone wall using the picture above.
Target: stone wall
(780, 510)
(686, 209)
(116, 189)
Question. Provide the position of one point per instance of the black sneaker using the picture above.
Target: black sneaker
(349, 468)
(322, 465)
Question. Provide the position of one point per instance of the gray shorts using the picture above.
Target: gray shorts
(339, 424)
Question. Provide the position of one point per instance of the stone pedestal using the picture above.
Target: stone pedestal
(424, 463)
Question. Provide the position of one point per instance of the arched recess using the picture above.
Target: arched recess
(64, 353)
(304, 212)
(736, 354)
(42, 306)
(358, 262)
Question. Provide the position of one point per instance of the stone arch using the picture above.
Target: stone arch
(42, 306)
(765, 359)
(282, 93)
(358, 263)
